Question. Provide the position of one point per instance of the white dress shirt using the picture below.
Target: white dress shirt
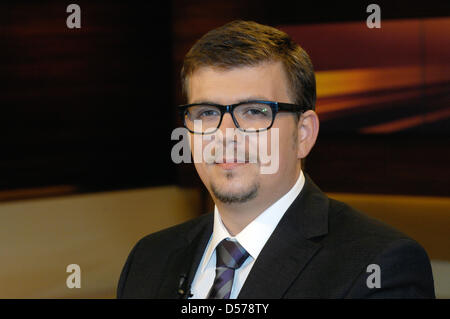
(253, 238)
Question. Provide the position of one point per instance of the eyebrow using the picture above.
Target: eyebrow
(250, 98)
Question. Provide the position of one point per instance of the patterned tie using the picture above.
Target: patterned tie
(230, 256)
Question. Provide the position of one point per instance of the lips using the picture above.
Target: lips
(229, 164)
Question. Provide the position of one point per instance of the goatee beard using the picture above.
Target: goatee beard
(231, 198)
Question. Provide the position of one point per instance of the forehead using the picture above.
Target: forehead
(266, 81)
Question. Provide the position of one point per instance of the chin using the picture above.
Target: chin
(230, 194)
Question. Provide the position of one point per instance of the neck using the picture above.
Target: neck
(237, 216)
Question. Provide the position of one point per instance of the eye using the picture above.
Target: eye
(202, 112)
(206, 113)
(257, 111)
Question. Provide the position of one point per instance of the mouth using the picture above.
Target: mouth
(229, 164)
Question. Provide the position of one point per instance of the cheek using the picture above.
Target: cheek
(197, 145)
(286, 142)
(202, 172)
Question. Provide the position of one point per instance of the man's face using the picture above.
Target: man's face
(243, 182)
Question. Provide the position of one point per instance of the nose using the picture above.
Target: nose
(221, 135)
(227, 122)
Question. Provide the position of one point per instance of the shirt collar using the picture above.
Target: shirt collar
(255, 235)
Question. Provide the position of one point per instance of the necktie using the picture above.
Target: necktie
(230, 256)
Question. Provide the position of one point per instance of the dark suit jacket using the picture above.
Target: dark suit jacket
(320, 249)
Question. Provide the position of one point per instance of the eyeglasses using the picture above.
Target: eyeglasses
(249, 116)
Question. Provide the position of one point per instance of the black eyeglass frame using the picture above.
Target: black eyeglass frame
(275, 106)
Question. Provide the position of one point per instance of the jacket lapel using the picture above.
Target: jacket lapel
(290, 247)
(184, 261)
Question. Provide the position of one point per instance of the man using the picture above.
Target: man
(271, 235)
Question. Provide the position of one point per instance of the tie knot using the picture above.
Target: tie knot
(230, 254)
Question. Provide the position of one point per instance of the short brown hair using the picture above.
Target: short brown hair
(247, 43)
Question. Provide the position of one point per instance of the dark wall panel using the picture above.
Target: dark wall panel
(89, 107)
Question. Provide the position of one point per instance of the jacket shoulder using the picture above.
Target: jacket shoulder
(348, 224)
(176, 235)
(353, 242)
(141, 275)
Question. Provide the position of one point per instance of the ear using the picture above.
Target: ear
(308, 129)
